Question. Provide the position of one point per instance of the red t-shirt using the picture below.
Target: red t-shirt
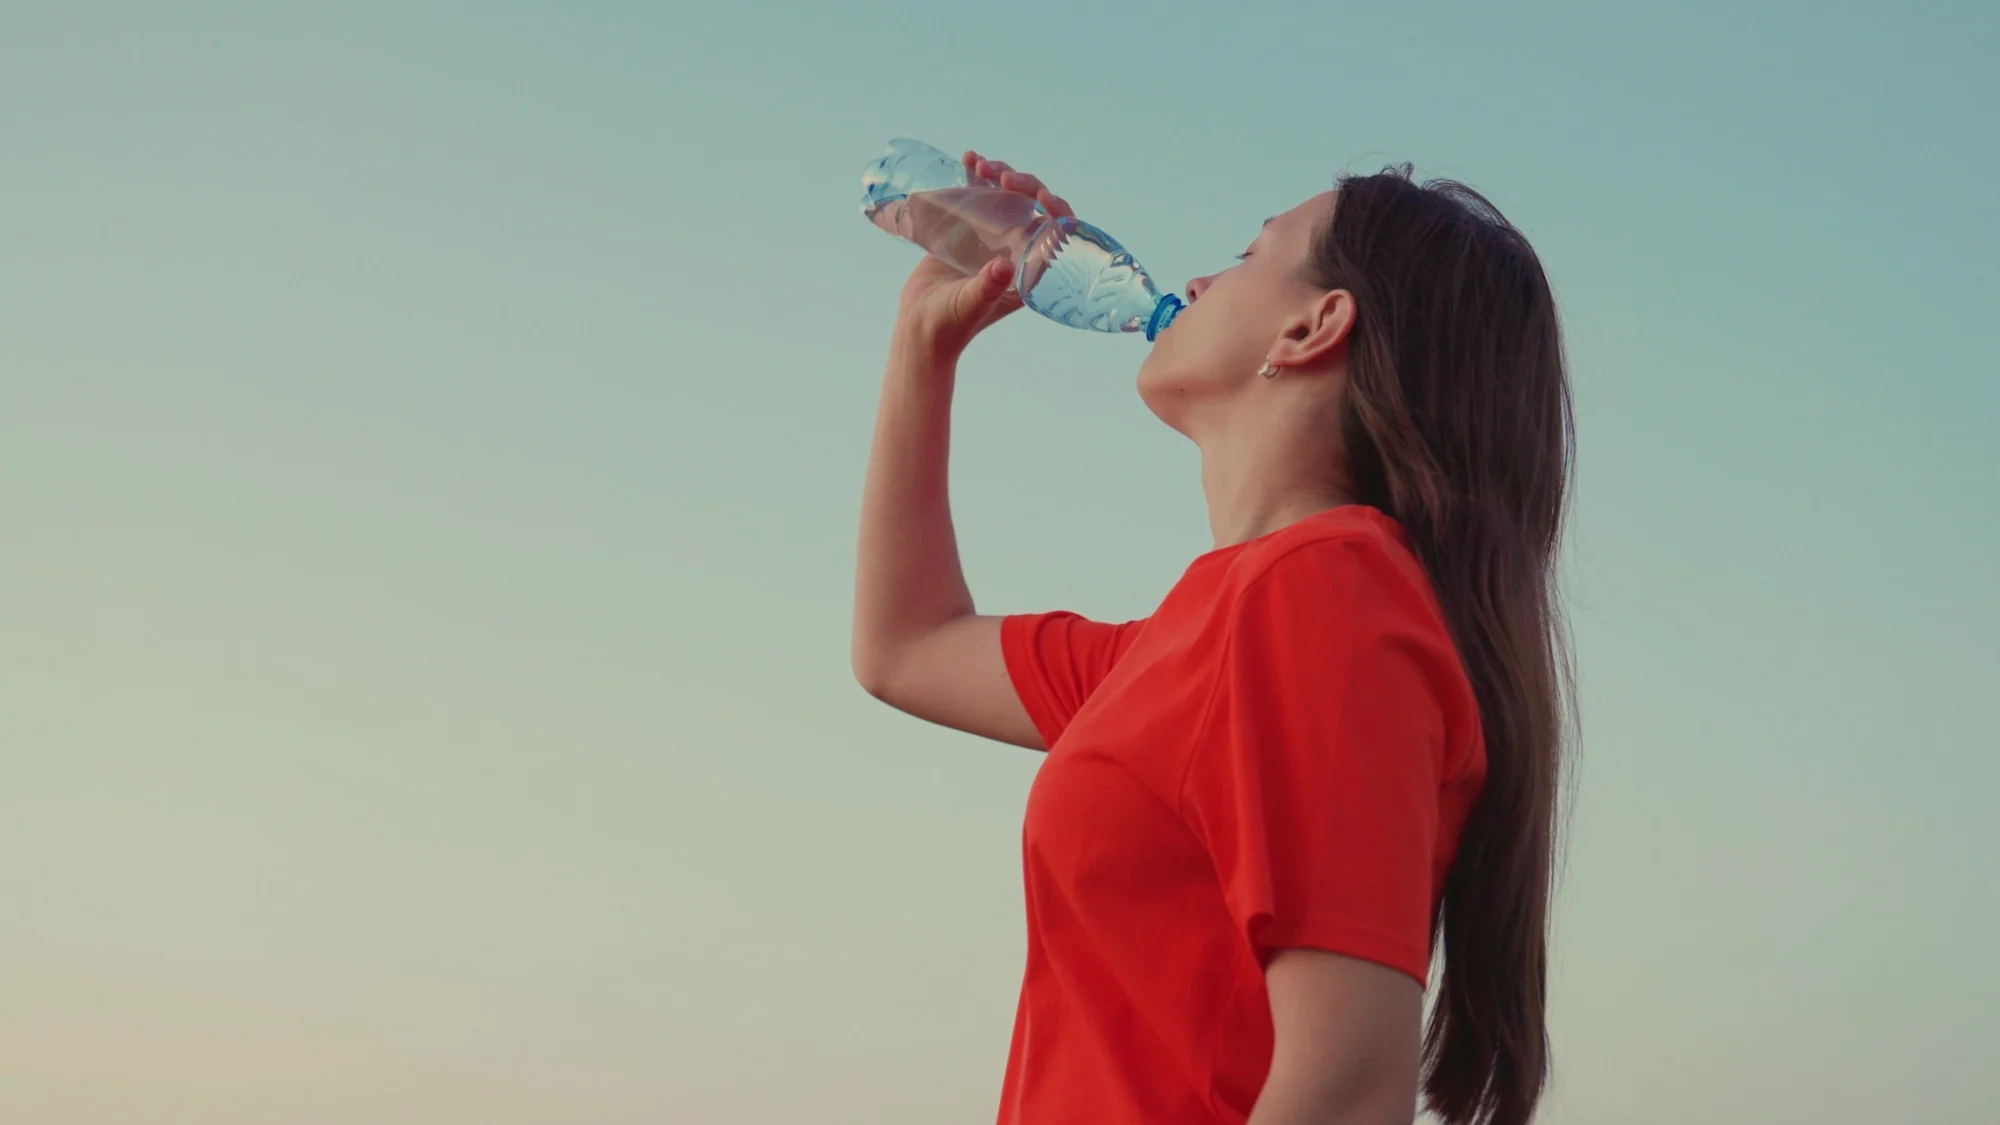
(1282, 755)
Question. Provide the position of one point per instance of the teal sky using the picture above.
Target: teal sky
(430, 443)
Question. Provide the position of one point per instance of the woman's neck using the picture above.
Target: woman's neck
(1260, 474)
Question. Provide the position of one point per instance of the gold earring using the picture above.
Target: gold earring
(1269, 370)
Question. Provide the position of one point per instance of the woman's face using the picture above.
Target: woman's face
(1233, 319)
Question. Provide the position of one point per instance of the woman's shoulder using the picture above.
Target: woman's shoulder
(1352, 565)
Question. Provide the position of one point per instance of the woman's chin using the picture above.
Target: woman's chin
(1164, 392)
(1174, 391)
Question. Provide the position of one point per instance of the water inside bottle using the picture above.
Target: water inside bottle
(966, 226)
(1077, 275)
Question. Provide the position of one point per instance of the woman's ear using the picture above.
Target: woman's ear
(1318, 333)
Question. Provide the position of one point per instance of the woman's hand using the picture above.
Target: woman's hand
(945, 309)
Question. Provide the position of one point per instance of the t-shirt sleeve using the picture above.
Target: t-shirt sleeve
(1315, 781)
(1057, 659)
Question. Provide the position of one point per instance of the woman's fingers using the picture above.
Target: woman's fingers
(1002, 173)
(1021, 182)
(1029, 185)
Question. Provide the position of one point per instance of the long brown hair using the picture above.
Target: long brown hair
(1456, 421)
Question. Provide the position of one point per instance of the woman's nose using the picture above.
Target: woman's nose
(1196, 287)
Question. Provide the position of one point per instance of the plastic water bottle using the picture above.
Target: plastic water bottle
(1065, 269)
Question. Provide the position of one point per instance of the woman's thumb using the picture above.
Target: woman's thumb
(996, 276)
(980, 290)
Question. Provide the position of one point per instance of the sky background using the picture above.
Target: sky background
(430, 444)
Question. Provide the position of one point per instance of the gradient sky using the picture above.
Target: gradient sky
(430, 444)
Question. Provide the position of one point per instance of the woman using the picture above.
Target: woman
(1332, 751)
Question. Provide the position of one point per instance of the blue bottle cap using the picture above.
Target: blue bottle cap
(1164, 313)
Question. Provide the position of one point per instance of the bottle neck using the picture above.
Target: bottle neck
(1164, 313)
